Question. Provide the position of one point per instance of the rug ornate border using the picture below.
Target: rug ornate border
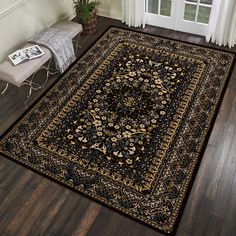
(127, 124)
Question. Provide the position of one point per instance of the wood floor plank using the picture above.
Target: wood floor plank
(36, 206)
(3, 194)
(16, 197)
(9, 174)
(232, 82)
(70, 215)
(224, 172)
(227, 111)
(21, 216)
(63, 216)
(48, 213)
(87, 220)
(116, 225)
(228, 227)
(197, 199)
(113, 226)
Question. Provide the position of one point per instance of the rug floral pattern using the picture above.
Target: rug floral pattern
(127, 123)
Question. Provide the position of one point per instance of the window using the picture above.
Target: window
(185, 15)
(197, 10)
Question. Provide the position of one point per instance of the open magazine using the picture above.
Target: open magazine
(25, 54)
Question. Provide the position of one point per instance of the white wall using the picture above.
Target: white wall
(111, 8)
(21, 19)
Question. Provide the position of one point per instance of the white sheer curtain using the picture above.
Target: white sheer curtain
(222, 24)
(133, 12)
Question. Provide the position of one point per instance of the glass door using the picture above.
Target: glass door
(161, 13)
(193, 16)
(190, 16)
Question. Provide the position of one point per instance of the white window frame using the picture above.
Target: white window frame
(176, 20)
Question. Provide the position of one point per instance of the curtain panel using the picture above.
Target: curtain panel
(133, 12)
(222, 24)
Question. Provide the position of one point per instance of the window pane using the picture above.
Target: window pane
(190, 12)
(204, 14)
(191, 0)
(153, 6)
(206, 2)
(165, 7)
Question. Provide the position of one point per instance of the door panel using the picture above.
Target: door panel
(160, 13)
(185, 15)
(193, 16)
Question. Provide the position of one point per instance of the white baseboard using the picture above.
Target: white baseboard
(110, 14)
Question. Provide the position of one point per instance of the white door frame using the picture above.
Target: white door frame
(176, 20)
(190, 26)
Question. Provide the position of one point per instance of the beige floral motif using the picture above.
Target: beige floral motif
(97, 123)
(127, 134)
(70, 136)
(113, 139)
(116, 126)
(133, 73)
(158, 81)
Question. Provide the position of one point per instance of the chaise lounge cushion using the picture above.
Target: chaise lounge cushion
(72, 28)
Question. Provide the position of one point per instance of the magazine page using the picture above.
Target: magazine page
(18, 57)
(33, 52)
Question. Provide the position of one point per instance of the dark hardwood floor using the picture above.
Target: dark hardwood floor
(33, 205)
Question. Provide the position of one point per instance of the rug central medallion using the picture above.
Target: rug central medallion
(115, 121)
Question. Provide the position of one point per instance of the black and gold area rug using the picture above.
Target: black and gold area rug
(127, 124)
